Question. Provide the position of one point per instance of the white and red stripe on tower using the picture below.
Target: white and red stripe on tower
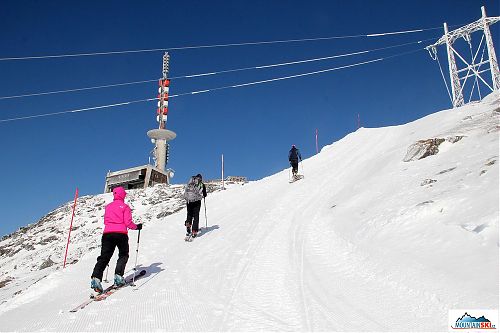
(164, 87)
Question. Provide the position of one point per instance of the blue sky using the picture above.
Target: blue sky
(44, 159)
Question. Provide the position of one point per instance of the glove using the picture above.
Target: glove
(139, 226)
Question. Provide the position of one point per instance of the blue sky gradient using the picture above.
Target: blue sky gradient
(44, 159)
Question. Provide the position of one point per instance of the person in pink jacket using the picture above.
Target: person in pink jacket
(117, 221)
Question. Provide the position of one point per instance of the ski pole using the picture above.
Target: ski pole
(136, 255)
(205, 205)
(107, 269)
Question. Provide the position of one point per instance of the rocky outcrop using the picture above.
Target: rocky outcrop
(424, 148)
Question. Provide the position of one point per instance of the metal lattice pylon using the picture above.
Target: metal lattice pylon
(473, 69)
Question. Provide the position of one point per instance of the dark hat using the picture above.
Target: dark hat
(199, 176)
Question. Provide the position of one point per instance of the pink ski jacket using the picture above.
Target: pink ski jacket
(117, 215)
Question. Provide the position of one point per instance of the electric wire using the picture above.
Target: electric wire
(302, 61)
(76, 89)
(277, 79)
(208, 90)
(77, 110)
(216, 72)
(217, 45)
(294, 76)
(444, 79)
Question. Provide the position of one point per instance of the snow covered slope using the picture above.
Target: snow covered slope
(372, 239)
(33, 252)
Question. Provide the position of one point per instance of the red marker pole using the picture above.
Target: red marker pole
(70, 227)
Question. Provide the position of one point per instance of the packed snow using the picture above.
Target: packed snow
(389, 230)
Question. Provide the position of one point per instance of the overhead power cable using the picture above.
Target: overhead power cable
(302, 61)
(216, 45)
(77, 110)
(217, 72)
(294, 76)
(76, 89)
(278, 79)
(208, 90)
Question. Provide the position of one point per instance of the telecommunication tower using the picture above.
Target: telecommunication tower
(472, 69)
(162, 135)
(148, 175)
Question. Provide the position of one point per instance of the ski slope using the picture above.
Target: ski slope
(365, 242)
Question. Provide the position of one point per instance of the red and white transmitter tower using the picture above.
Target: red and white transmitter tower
(150, 175)
(161, 135)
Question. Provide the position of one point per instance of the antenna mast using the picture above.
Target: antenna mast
(162, 135)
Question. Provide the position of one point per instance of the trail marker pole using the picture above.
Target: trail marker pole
(70, 227)
(317, 141)
(223, 172)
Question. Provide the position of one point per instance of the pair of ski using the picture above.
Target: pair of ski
(109, 291)
(189, 238)
(295, 178)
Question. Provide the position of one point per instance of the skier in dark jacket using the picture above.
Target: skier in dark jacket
(294, 157)
(194, 192)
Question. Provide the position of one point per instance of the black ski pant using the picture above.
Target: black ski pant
(295, 166)
(108, 243)
(193, 216)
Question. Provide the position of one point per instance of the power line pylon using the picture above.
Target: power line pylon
(473, 68)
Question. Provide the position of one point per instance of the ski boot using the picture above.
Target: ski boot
(188, 228)
(95, 284)
(119, 281)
